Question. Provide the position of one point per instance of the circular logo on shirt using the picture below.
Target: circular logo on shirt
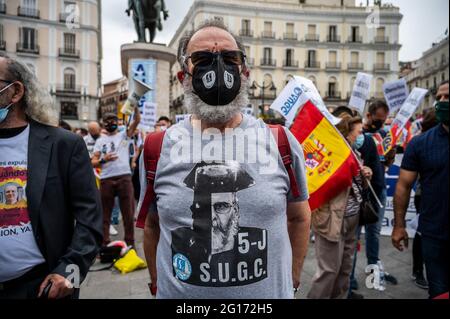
(182, 267)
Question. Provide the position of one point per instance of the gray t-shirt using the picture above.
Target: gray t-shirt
(223, 215)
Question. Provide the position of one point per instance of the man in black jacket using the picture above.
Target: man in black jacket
(50, 235)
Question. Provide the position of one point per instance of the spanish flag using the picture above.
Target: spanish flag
(330, 163)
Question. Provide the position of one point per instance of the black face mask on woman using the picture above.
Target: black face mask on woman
(216, 79)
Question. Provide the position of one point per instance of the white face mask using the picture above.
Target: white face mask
(5, 110)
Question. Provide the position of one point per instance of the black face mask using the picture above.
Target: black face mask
(111, 127)
(95, 137)
(376, 126)
(218, 83)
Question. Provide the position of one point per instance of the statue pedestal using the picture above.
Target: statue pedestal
(160, 58)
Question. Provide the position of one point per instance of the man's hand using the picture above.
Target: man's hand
(399, 234)
(110, 157)
(61, 287)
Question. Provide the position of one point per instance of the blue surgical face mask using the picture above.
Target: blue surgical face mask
(5, 110)
(359, 142)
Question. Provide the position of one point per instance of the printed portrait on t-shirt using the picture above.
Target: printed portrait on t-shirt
(217, 251)
(13, 202)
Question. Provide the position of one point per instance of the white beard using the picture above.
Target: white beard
(215, 114)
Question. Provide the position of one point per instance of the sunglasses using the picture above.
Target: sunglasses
(206, 58)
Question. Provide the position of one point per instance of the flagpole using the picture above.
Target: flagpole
(356, 157)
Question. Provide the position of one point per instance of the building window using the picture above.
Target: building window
(332, 34)
(312, 55)
(2, 41)
(28, 8)
(355, 35)
(69, 110)
(443, 77)
(69, 42)
(289, 57)
(267, 54)
(246, 28)
(28, 40)
(379, 88)
(69, 80)
(267, 33)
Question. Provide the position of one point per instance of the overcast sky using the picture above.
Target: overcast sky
(423, 23)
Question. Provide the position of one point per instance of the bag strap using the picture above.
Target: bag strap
(152, 152)
(286, 154)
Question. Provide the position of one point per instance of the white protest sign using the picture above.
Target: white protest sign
(361, 91)
(396, 93)
(295, 94)
(313, 94)
(148, 120)
(409, 107)
(180, 117)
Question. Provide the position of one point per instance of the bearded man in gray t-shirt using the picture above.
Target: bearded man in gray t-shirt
(225, 222)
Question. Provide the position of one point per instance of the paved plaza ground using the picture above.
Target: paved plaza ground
(111, 284)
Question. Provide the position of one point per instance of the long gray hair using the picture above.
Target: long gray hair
(37, 102)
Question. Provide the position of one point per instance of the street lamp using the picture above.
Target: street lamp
(270, 86)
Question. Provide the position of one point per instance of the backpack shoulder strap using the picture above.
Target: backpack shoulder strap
(286, 154)
(152, 152)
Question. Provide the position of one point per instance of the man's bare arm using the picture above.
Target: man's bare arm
(151, 239)
(299, 221)
(135, 123)
(401, 201)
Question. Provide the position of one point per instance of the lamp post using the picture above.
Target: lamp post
(270, 86)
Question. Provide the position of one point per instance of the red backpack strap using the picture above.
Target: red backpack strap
(286, 154)
(152, 152)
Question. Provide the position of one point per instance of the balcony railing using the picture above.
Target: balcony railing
(28, 12)
(381, 39)
(333, 66)
(290, 63)
(246, 33)
(69, 53)
(312, 37)
(356, 39)
(268, 62)
(2, 45)
(290, 36)
(68, 88)
(333, 39)
(355, 66)
(383, 67)
(333, 95)
(312, 65)
(27, 48)
(268, 35)
(2, 7)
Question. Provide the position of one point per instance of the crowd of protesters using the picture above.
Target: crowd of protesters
(212, 229)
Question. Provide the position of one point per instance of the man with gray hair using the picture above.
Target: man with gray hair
(233, 229)
(54, 231)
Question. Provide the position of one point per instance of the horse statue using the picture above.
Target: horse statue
(147, 15)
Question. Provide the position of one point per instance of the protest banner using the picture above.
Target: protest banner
(360, 93)
(395, 93)
(148, 119)
(408, 109)
(296, 93)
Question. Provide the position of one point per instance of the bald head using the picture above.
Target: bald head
(94, 129)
